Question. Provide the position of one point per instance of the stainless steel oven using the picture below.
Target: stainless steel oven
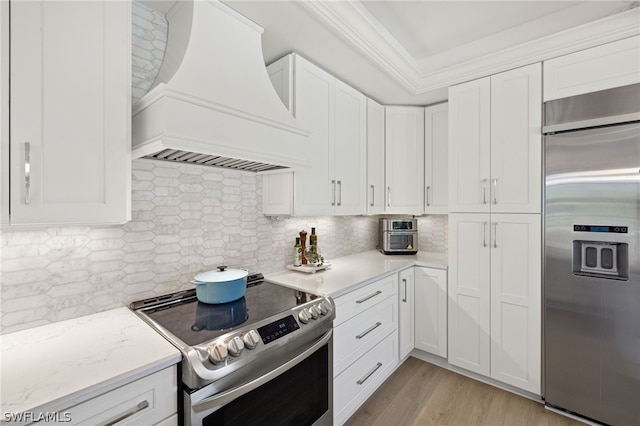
(397, 236)
(265, 359)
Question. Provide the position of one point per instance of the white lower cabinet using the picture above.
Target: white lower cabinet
(352, 388)
(430, 305)
(494, 294)
(406, 312)
(150, 400)
(365, 344)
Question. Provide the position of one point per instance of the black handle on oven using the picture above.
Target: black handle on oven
(228, 396)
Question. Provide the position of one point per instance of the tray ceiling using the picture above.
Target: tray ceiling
(409, 52)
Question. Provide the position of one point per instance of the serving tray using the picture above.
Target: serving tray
(309, 269)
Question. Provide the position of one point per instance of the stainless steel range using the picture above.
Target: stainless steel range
(263, 359)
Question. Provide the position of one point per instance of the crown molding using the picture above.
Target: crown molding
(353, 22)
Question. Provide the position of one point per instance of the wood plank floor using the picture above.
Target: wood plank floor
(419, 393)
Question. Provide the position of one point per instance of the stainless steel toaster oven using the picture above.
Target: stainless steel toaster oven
(397, 236)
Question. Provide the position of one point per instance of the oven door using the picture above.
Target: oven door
(297, 392)
(400, 242)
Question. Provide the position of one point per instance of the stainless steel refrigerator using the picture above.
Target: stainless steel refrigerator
(591, 255)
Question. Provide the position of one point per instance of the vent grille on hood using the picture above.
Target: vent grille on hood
(212, 160)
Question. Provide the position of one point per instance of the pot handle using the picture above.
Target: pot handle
(221, 268)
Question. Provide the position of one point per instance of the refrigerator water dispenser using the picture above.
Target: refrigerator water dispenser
(601, 259)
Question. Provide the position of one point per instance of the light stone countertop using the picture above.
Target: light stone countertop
(349, 273)
(59, 365)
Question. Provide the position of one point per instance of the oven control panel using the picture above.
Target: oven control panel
(225, 350)
(277, 329)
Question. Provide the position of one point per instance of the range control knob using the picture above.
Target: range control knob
(323, 309)
(251, 339)
(218, 354)
(304, 316)
(327, 306)
(314, 312)
(235, 346)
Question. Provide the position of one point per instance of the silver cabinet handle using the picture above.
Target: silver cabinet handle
(27, 173)
(388, 196)
(427, 196)
(373, 195)
(339, 192)
(484, 234)
(484, 191)
(141, 406)
(333, 200)
(495, 189)
(364, 299)
(495, 235)
(404, 280)
(364, 379)
(369, 330)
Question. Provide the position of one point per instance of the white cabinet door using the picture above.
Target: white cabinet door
(404, 148)
(405, 312)
(436, 159)
(516, 140)
(314, 100)
(375, 157)
(603, 67)
(469, 146)
(431, 310)
(277, 194)
(515, 300)
(70, 112)
(281, 76)
(469, 292)
(348, 151)
(336, 115)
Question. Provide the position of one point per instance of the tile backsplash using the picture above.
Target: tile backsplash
(185, 219)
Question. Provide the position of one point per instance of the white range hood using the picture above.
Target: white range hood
(213, 102)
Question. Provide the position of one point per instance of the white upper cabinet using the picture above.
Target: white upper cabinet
(314, 97)
(70, 112)
(495, 143)
(599, 68)
(348, 151)
(469, 146)
(336, 116)
(404, 160)
(436, 159)
(516, 141)
(375, 158)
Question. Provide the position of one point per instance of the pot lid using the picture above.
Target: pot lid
(222, 274)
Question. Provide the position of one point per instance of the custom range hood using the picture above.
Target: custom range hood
(213, 102)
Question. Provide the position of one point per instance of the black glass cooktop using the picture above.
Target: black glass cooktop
(195, 322)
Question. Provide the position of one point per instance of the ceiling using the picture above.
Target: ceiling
(408, 52)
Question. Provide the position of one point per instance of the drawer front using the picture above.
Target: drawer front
(148, 400)
(357, 301)
(356, 336)
(352, 388)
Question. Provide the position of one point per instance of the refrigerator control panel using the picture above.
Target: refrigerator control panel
(600, 228)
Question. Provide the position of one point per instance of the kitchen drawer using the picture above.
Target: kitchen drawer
(351, 304)
(354, 337)
(361, 379)
(159, 390)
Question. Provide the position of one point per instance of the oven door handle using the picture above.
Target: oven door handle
(228, 396)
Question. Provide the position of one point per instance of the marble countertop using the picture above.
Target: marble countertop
(59, 365)
(349, 273)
